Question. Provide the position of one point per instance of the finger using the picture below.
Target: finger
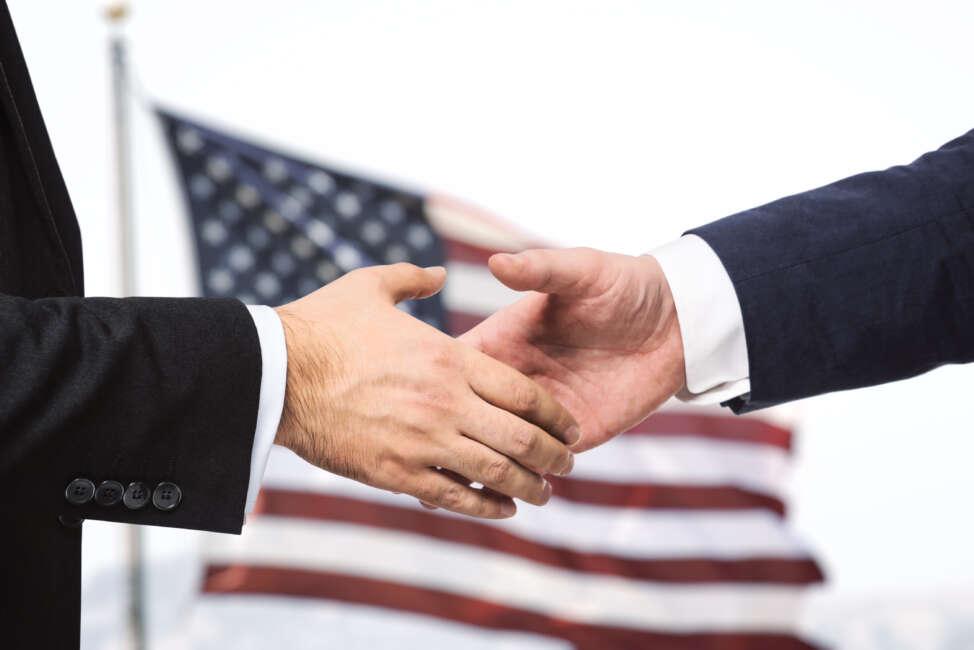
(512, 436)
(496, 471)
(449, 474)
(549, 271)
(406, 281)
(508, 389)
(438, 490)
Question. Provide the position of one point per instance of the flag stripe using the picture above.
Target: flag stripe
(500, 577)
(633, 532)
(459, 322)
(471, 288)
(458, 251)
(474, 611)
(720, 427)
(663, 497)
(687, 461)
(285, 503)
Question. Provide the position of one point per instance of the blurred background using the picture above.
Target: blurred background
(609, 124)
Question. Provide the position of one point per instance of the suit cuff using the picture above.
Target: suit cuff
(273, 354)
(711, 324)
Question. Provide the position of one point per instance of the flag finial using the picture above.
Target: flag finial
(116, 12)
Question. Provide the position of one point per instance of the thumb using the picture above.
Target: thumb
(548, 271)
(406, 281)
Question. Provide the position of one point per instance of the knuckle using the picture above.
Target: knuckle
(443, 356)
(525, 398)
(452, 496)
(498, 471)
(524, 443)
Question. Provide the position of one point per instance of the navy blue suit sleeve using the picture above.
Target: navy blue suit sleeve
(861, 282)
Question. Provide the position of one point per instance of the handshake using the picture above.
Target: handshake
(382, 398)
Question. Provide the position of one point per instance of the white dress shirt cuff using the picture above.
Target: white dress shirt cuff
(711, 324)
(273, 355)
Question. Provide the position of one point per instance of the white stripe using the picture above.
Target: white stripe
(515, 582)
(256, 622)
(628, 532)
(472, 289)
(687, 461)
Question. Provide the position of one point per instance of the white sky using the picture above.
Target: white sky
(604, 123)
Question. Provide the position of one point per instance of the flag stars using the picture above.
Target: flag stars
(229, 211)
(373, 232)
(321, 182)
(347, 205)
(275, 170)
(189, 140)
(396, 253)
(240, 258)
(274, 222)
(419, 236)
(200, 186)
(247, 196)
(218, 168)
(392, 212)
(320, 233)
(267, 285)
(291, 207)
(220, 280)
(327, 272)
(302, 247)
(213, 232)
(303, 196)
(347, 257)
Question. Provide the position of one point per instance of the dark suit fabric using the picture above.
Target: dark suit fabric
(861, 282)
(147, 390)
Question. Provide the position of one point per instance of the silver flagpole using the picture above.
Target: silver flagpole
(116, 13)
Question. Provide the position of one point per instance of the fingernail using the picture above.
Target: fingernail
(573, 434)
(569, 466)
(547, 492)
(508, 509)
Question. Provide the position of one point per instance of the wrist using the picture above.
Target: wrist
(667, 337)
(292, 431)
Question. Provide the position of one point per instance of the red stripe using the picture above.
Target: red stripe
(455, 250)
(459, 322)
(285, 503)
(663, 497)
(476, 213)
(719, 427)
(474, 611)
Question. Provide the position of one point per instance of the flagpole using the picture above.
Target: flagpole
(116, 13)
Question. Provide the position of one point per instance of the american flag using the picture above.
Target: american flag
(671, 536)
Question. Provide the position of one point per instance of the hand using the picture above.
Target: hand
(601, 334)
(380, 397)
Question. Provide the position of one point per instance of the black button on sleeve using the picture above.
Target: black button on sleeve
(166, 496)
(79, 491)
(70, 521)
(108, 493)
(136, 495)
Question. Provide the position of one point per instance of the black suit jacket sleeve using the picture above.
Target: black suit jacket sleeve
(865, 281)
(147, 390)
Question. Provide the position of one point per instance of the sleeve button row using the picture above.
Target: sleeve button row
(165, 497)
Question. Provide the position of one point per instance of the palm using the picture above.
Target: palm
(600, 338)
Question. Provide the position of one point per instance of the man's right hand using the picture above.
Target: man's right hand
(383, 398)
